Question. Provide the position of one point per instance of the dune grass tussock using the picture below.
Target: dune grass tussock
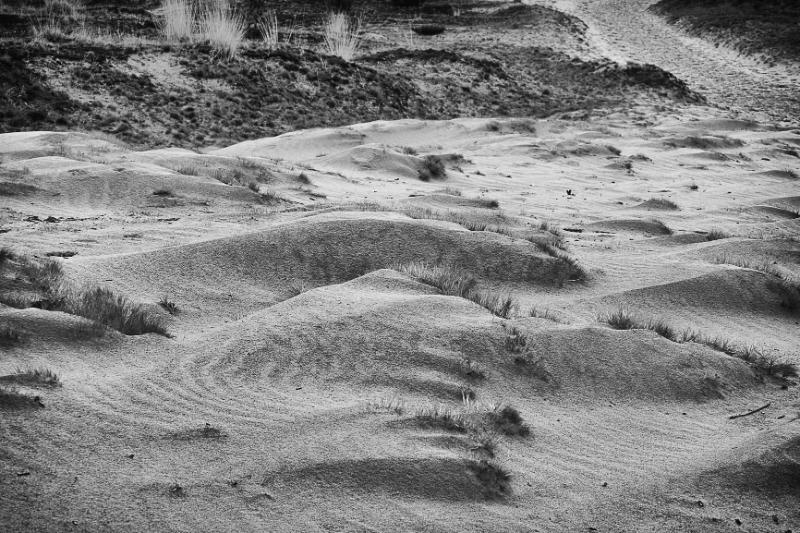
(34, 377)
(454, 283)
(40, 283)
(177, 20)
(623, 319)
(223, 28)
(441, 417)
(342, 35)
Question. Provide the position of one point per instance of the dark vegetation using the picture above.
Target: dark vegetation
(767, 28)
(257, 92)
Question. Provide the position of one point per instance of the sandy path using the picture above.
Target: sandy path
(625, 31)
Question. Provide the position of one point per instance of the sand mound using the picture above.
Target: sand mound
(435, 478)
(242, 273)
(374, 159)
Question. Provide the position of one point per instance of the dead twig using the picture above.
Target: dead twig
(748, 413)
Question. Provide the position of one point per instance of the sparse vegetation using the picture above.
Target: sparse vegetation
(342, 35)
(622, 319)
(35, 377)
(177, 20)
(716, 234)
(441, 417)
(495, 480)
(516, 340)
(222, 27)
(471, 369)
(453, 283)
(168, 305)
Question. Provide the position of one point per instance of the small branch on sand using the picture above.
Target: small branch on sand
(748, 413)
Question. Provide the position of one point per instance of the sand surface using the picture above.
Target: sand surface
(290, 394)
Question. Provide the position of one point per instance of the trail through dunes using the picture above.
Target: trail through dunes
(406, 326)
(625, 30)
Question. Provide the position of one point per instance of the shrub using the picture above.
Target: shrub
(342, 35)
(432, 168)
(177, 22)
(222, 28)
(509, 422)
(516, 340)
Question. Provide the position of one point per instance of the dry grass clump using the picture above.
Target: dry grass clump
(34, 377)
(223, 28)
(267, 26)
(40, 283)
(622, 319)
(508, 421)
(168, 305)
(442, 417)
(716, 234)
(495, 480)
(454, 283)
(177, 20)
(342, 35)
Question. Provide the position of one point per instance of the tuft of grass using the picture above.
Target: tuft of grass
(168, 305)
(113, 310)
(223, 28)
(342, 35)
(716, 234)
(441, 417)
(453, 283)
(516, 340)
(267, 26)
(432, 168)
(34, 377)
(509, 421)
(471, 369)
(620, 319)
(177, 20)
(9, 336)
(546, 314)
(495, 480)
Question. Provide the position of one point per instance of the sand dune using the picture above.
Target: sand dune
(291, 394)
